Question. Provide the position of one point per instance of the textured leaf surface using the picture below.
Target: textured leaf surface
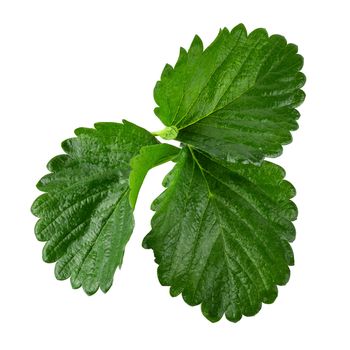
(148, 158)
(236, 99)
(221, 234)
(85, 216)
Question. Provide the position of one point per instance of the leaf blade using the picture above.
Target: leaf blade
(221, 234)
(235, 100)
(85, 217)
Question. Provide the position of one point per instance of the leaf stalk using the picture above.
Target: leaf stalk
(168, 133)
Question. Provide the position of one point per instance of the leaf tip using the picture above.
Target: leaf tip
(144, 243)
(270, 295)
(210, 315)
(48, 254)
(89, 291)
(105, 286)
(196, 45)
(168, 69)
(239, 28)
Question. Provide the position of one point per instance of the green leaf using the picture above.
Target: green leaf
(221, 234)
(222, 228)
(148, 158)
(85, 216)
(236, 99)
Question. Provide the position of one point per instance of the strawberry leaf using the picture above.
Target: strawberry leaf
(222, 228)
(85, 217)
(221, 234)
(236, 99)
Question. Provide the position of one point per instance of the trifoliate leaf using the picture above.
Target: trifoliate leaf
(222, 228)
(221, 234)
(148, 158)
(85, 216)
(236, 99)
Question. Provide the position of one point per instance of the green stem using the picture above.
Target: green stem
(168, 133)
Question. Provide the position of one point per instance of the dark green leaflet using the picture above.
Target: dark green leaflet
(85, 216)
(236, 99)
(220, 234)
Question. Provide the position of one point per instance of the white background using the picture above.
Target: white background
(65, 64)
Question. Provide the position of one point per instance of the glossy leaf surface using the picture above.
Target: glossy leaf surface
(236, 99)
(221, 234)
(222, 229)
(85, 216)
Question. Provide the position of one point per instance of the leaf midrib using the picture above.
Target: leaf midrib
(94, 241)
(207, 82)
(237, 97)
(212, 197)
